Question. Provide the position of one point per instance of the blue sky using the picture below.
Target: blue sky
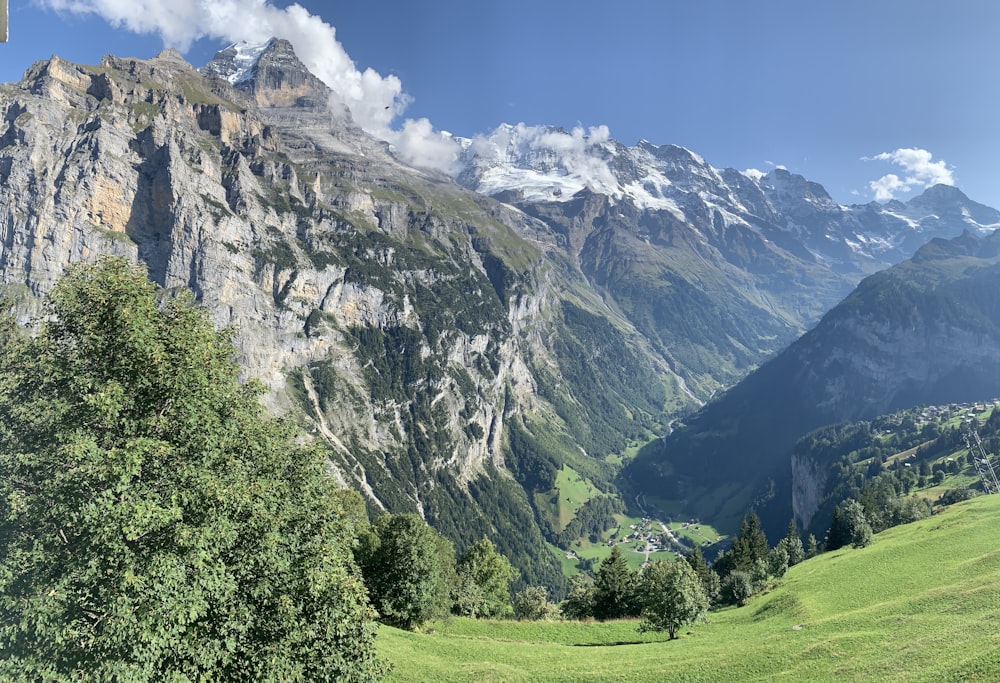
(899, 93)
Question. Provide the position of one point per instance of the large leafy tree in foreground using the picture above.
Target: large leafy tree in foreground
(673, 597)
(154, 525)
(409, 569)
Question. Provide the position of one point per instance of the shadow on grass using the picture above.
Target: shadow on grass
(620, 642)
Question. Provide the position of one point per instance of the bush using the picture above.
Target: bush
(737, 588)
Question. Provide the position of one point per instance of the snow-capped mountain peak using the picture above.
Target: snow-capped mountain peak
(546, 164)
(238, 61)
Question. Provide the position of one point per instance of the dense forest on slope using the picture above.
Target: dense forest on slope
(929, 453)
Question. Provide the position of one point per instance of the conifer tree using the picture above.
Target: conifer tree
(792, 544)
(710, 582)
(615, 588)
(839, 533)
(812, 547)
(750, 546)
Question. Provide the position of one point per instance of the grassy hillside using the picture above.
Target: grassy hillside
(920, 604)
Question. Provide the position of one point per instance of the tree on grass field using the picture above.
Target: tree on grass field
(792, 544)
(154, 525)
(672, 597)
(484, 578)
(409, 569)
(737, 588)
(857, 522)
(849, 525)
(710, 582)
(532, 604)
(615, 587)
(579, 602)
(839, 533)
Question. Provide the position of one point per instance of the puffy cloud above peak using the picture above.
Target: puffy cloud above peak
(920, 172)
(575, 155)
(374, 101)
(418, 144)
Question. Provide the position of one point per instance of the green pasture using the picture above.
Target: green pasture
(922, 603)
(574, 491)
(698, 533)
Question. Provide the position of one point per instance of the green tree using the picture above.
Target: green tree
(672, 597)
(748, 553)
(751, 546)
(579, 603)
(532, 604)
(737, 588)
(777, 561)
(615, 588)
(839, 533)
(409, 569)
(484, 578)
(154, 525)
(792, 544)
(859, 528)
(812, 547)
(710, 582)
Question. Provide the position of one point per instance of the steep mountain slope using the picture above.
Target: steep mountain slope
(717, 268)
(430, 336)
(926, 331)
(454, 351)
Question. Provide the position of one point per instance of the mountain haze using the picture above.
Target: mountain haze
(924, 332)
(455, 341)
(718, 268)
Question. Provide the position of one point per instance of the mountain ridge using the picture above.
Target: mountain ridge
(923, 332)
(452, 351)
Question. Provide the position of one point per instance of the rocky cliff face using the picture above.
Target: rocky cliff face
(389, 311)
(453, 351)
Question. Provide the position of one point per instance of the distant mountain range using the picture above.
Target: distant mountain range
(458, 341)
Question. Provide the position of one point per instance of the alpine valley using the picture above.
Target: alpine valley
(558, 309)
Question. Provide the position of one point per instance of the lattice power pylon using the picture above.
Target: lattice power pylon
(982, 462)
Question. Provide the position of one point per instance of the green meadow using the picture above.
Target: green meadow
(921, 603)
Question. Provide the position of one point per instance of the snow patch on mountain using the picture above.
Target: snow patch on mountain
(544, 163)
(245, 60)
(547, 164)
(236, 63)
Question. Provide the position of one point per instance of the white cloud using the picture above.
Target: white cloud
(420, 145)
(560, 163)
(886, 187)
(920, 172)
(373, 100)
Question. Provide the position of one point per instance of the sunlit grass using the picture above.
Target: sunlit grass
(922, 603)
